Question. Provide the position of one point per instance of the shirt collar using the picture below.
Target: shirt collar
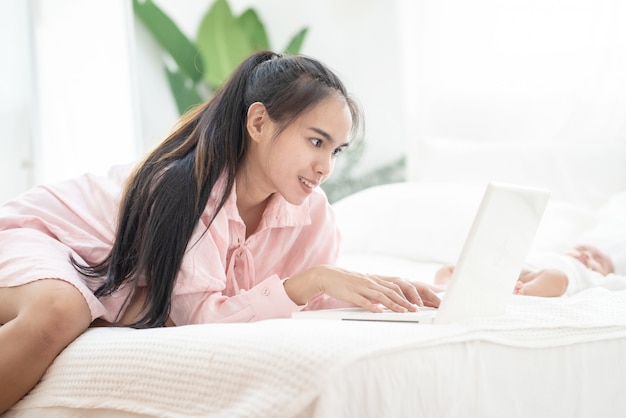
(278, 214)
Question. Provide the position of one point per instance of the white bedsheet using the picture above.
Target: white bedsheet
(285, 368)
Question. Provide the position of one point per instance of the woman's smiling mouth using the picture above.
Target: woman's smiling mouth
(307, 183)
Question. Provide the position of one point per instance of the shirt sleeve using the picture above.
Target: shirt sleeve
(80, 213)
(264, 301)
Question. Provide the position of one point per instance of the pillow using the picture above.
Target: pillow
(427, 221)
(417, 221)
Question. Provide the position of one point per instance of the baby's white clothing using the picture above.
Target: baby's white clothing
(580, 276)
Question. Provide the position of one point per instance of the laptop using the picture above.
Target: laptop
(488, 266)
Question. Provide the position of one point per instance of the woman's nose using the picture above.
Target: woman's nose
(324, 166)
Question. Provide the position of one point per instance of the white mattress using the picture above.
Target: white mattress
(547, 357)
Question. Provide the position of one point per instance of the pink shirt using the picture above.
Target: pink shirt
(224, 277)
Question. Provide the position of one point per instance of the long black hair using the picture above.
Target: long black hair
(169, 189)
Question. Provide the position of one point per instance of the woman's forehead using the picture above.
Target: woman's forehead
(331, 115)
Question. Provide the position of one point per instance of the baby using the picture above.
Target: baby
(581, 267)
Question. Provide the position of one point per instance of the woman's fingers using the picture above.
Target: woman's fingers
(412, 293)
(428, 295)
(370, 291)
(399, 293)
(376, 292)
(416, 293)
(365, 303)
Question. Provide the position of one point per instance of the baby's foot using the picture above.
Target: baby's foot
(519, 288)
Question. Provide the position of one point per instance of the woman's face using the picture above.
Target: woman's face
(593, 258)
(303, 155)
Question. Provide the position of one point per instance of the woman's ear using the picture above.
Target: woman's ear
(257, 122)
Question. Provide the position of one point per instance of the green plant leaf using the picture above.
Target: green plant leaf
(296, 42)
(171, 39)
(253, 27)
(222, 43)
(184, 90)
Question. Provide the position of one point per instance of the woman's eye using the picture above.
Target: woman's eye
(316, 142)
(338, 151)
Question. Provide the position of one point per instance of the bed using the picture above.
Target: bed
(546, 357)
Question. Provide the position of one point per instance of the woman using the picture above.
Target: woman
(223, 221)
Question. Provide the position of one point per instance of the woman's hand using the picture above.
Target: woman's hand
(365, 290)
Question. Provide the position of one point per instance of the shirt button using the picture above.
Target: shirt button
(266, 291)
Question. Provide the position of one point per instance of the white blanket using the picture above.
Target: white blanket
(278, 368)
